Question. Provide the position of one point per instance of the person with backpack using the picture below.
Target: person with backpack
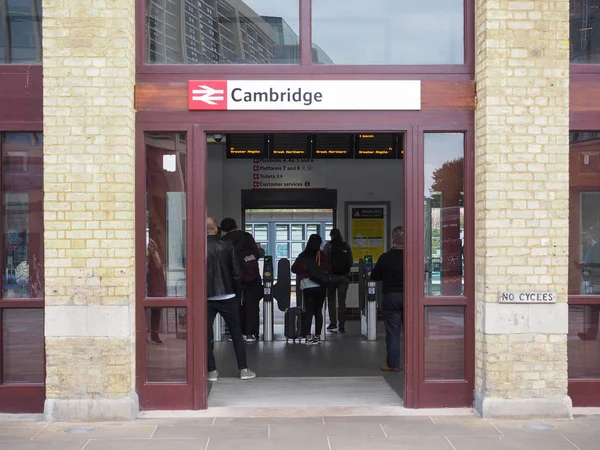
(339, 255)
(248, 253)
(313, 272)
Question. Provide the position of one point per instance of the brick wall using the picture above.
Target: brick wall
(522, 125)
(89, 128)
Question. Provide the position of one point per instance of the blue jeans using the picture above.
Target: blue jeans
(393, 316)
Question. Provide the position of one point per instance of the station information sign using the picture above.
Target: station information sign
(244, 146)
(288, 146)
(332, 146)
(315, 146)
(376, 146)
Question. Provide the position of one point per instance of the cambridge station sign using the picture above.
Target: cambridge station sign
(304, 95)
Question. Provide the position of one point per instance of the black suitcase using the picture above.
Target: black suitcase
(292, 324)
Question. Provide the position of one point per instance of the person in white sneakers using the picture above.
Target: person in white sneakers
(222, 287)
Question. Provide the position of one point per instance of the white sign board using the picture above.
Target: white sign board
(288, 174)
(304, 95)
(526, 297)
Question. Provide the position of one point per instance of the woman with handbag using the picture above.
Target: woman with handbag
(313, 271)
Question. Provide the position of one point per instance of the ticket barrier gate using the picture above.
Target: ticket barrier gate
(278, 291)
(367, 297)
(268, 299)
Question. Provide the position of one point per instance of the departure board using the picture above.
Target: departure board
(289, 146)
(333, 146)
(376, 146)
(241, 146)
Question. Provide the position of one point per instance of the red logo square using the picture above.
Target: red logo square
(207, 95)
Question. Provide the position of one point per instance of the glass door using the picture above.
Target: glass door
(445, 296)
(583, 340)
(164, 306)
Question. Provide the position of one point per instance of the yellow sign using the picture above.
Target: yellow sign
(368, 228)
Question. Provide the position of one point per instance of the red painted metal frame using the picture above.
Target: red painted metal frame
(305, 67)
(585, 392)
(447, 393)
(18, 397)
(417, 393)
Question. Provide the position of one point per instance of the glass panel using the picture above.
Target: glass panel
(583, 343)
(166, 214)
(311, 229)
(282, 250)
(297, 248)
(444, 213)
(584, 215)
(166, 351)
(584, 39)
(23, 345)
(261, 233)
(298, 232)
(282, 232)
(444, 343)
(388, 32)
(222, 32)
(249, 229)
(589, 260)
(21, 32)
(22, 188)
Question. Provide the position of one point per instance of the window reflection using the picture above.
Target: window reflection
(22, 197)
(222, 32)
(583, 343)
(584, 221)
(444, 213)
(166, 214)
(444, 343)
(20, 31)
(388, 32)
(585, 39)
(166, 352)
(23, 345)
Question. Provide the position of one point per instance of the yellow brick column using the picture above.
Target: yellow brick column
(89, 128)
(522, 210)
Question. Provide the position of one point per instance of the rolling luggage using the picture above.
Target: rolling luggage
(292, 324)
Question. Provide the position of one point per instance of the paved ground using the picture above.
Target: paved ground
(318, 433)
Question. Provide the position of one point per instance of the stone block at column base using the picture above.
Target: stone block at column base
(523, 408)
(118, 409)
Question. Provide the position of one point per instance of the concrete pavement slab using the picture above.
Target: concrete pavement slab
(403, 443)
(292, 432)
(212, 431)
(148, 444)
(545, 442)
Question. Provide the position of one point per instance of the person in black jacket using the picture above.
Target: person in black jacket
(390, 270)
(248, 253)
(339, 254)
(222, 286)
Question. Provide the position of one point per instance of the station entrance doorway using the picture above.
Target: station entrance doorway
(195, 173)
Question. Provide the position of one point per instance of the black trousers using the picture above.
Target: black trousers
(313, 300)
(229, 312)
(393, 317)
(250, 310)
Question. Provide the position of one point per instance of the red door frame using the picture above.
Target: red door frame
(418, 393)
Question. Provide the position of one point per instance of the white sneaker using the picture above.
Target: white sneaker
(250, 338)
(213, 376)
(247, 374)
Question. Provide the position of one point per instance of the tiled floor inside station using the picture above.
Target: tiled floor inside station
(344, 370)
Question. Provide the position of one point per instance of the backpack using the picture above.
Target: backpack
(249, 271)
(339, 258)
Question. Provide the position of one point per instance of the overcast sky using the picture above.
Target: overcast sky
(380, 31)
